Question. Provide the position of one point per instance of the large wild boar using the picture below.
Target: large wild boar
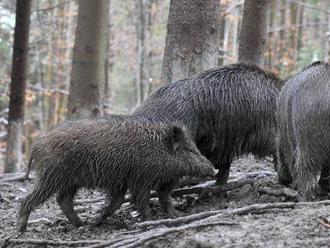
(303, 137)
(229, 111)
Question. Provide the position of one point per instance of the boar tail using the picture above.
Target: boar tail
(26, 176)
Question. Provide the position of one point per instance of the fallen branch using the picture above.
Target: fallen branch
(141, 239)
(279, 192)
(121, 241)
(218, 213)
(44, 242)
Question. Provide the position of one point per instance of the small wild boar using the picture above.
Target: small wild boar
(113, 155)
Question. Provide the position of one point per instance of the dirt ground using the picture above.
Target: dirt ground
(243, 217)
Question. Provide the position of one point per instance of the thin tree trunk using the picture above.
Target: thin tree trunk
(235, 33)
(253, 32)
(282, 43)
(88, 63)
(192, 38)
(328, 40)
(293, 38)
(300, 30)
(140, 28)
(17, 86)
(271, 42)
(221, 26)
(148, 49)
(226, 40)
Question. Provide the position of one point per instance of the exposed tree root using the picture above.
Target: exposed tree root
(121, 241)
(218, 213)
(142, 238)
(44, 242)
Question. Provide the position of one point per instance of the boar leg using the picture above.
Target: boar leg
(65, 200)
(113, 202)
(142, 199)
(164, 195)
(224, 168)
(324, 180)
(39, 195)
(221, 162)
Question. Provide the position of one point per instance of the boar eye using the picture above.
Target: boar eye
(175, 138)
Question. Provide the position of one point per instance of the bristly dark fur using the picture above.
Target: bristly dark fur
(303, 137)
(113, 154)
(229, 111)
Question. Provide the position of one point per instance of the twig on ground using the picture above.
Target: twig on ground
(37, 221)
(324, 222)
(283, 191)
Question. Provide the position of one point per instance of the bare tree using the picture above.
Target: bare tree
(192, 38)
(253, 32)
(89, 58)
(17, 86)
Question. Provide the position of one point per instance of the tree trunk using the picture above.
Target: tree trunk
(271, 40)
(328, 40)
(300, 30)
(192, 38)
(140, 31)
(88, 63)
(292, 37)
(221, 26)
(253, 32)
(17, 86)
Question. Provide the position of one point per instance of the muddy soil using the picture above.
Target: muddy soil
(288, 227)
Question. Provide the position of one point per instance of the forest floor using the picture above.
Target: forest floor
(255, 214)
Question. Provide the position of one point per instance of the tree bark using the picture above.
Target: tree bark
(292, 37)
(192, 38)
(17, 86)
(221, 27)
(140, 31)
(253, 32)
(88, 63)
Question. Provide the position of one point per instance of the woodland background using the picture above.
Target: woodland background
(297, 34)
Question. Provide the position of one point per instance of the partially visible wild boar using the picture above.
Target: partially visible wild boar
(113, 155)
(303, 136)
(229, 111)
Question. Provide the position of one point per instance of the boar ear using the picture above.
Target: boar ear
(176, 138)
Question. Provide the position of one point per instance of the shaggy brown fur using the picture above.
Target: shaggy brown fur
(303, 137)
(229, 111)
(114, 155)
